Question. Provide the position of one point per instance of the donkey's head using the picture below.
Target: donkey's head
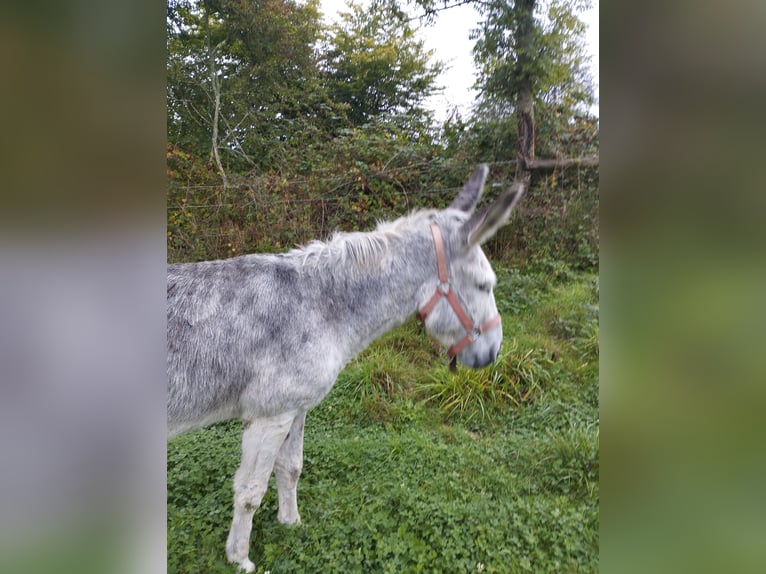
(460, 311)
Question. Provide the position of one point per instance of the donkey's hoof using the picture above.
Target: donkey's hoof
(243, 564)
(290, 520)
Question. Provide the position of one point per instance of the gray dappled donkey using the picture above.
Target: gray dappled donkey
(263, 337)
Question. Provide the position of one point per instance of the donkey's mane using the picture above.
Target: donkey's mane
(361, 252)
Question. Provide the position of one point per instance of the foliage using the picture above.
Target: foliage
(557, 221)
(394, 483)
(363, 175)
(302, 160)
(261, 55)
(376, 65)
(555, 66)
(549, 61)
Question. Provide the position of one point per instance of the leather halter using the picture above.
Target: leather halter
(444, 290)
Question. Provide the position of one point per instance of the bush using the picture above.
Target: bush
(362, 176)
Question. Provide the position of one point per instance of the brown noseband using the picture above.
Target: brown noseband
(444, 290)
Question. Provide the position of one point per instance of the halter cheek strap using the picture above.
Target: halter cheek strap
(444, 290)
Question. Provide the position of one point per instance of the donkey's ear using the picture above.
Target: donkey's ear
(469, 196)
(485, 223)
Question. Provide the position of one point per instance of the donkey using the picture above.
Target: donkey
(262, 338)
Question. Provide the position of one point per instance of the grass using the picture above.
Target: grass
(408, 468)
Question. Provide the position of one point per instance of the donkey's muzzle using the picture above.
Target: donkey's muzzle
(480, 360)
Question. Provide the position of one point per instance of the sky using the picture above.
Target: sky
(448, 37)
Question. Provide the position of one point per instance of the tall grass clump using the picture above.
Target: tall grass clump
(520, 375)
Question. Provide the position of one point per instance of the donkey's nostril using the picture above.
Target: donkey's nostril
(490, 357)
(480, 361)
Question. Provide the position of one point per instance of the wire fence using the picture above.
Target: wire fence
(247, 186)
(267, 213)
(311, 200)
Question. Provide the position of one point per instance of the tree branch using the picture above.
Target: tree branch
(432, 12)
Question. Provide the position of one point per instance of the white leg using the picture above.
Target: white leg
(260, 445)
(288, 469)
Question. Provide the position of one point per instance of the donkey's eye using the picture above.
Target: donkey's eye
(486, 287)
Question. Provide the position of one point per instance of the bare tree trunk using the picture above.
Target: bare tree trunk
(525, 40)
(216, 113)
(216, 82)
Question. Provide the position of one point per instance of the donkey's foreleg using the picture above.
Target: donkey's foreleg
(288, 469)
(260, 446)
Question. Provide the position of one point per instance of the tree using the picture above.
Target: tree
(376, 65)
(530, 57)
(243, 80)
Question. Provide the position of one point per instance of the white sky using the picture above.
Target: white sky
(449, 40)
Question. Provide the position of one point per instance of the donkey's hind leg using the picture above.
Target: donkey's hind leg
(261, 441)
(288, 469)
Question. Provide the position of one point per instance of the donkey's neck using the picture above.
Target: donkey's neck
(363, 306)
